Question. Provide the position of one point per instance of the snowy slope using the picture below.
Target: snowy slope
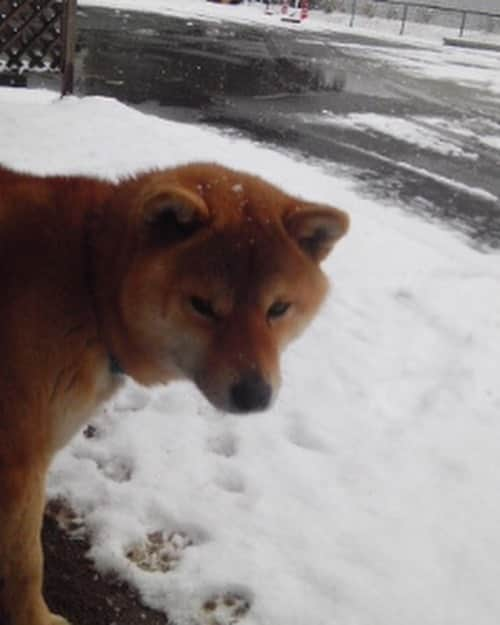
(369, 494)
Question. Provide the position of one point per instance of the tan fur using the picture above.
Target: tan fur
(90, 269)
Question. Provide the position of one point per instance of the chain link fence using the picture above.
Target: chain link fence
(467, 19)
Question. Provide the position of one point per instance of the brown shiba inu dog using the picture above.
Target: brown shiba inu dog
(196, 272)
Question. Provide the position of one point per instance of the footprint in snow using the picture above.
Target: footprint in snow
(404, 295)
(230, 480)
(117, 469)
(300, 435)
(66, 518)
(226, 608)
(131, 399)
(224, 444)
(160, 551)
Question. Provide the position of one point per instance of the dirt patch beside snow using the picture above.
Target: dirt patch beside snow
(74, 589)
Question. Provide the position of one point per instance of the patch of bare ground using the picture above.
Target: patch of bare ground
(75, 590)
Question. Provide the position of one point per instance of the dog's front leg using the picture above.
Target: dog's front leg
(21, 560)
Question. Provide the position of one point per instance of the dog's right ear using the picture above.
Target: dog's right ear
(316, 228)
(172, 213)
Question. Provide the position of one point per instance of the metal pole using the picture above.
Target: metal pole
(403, 21)
(353, 13)
(69, 45)
(462, 25)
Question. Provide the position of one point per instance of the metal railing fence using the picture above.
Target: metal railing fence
(405, 6)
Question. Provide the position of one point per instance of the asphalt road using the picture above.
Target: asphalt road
(275, 86)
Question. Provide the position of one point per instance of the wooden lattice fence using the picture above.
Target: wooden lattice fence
(38, 35)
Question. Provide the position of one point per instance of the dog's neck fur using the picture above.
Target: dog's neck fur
(113, 238)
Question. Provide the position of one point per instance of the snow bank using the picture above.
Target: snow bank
(369, 494)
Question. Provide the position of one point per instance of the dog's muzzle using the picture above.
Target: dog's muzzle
(251, 393)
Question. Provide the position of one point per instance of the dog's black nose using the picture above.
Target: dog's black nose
(250, 393)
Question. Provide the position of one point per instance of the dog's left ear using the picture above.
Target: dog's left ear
(316, 228)
(171, 212)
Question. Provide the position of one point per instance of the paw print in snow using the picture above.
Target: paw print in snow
(65, 517)
(224, 609)
(160, 552)
(117, 469)
(132, 399)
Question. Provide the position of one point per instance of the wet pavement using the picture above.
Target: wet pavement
(284, 88)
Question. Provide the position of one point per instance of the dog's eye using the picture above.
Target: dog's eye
(277, 310)
(203, 307)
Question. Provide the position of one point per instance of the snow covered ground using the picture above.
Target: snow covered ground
(476, 69)
(459, 140)
(416, 131)
(369, 494)
(318, 20)
(429, 58)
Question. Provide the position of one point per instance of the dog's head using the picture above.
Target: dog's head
(223, 274)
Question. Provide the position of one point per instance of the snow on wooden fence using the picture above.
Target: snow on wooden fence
(38, 35)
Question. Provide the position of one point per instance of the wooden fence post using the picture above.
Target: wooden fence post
(68, 46)
(353, 13)
(462, 25)
(403, 21)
